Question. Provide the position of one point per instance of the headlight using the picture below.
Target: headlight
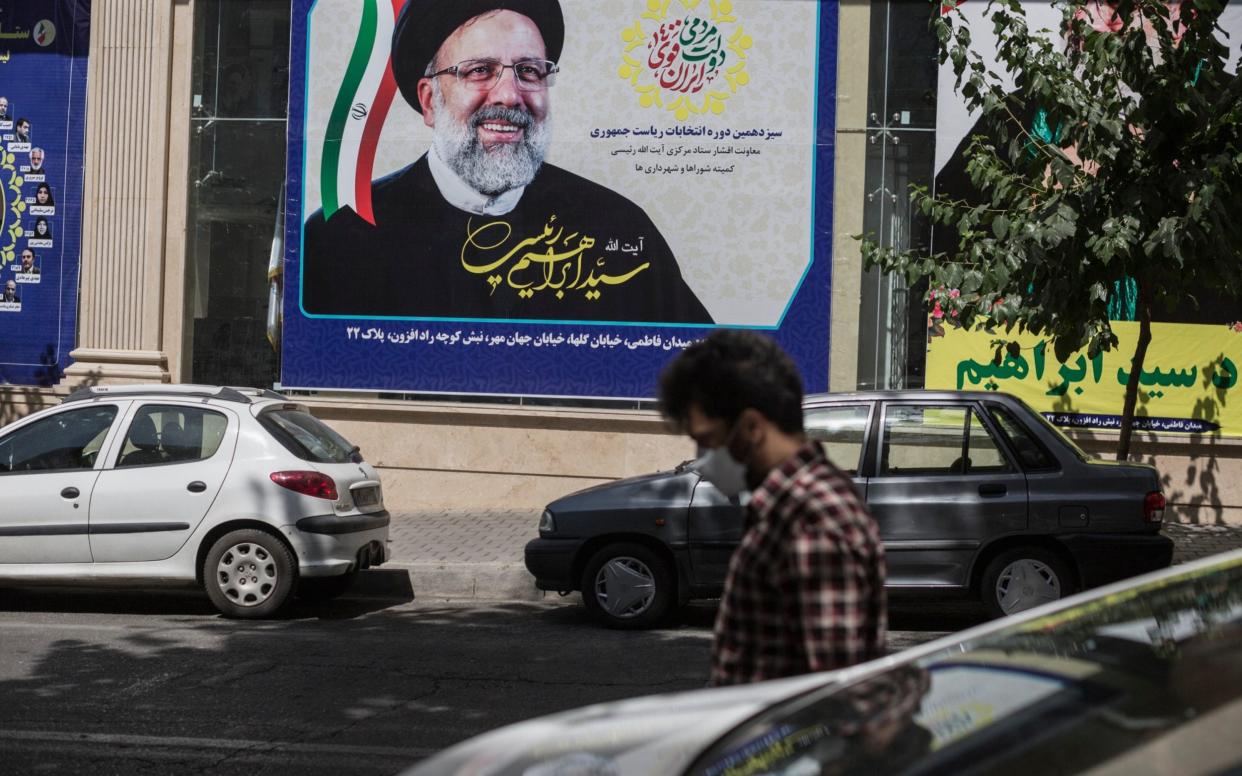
(546, 522)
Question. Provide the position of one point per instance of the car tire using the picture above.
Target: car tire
(1022, 578)
(628, 586)
(319, 589)
(248, 574)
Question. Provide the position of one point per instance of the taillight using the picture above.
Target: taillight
(307, 483)
(1153, 507)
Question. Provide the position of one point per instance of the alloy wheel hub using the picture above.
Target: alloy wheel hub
(625, 587)
(247, 574)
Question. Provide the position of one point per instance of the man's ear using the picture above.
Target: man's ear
(752, 425)
(426, 102)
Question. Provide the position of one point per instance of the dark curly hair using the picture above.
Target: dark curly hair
(730, 371)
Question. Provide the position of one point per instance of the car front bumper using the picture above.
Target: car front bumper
(330, 545)
(551, 562)
(1103, 558)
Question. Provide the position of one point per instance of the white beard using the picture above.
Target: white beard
(494, 171)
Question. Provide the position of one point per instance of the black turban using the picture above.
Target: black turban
(425, 24)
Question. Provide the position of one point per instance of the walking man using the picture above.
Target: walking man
(805, 588)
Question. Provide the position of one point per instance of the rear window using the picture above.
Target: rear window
(308, 438)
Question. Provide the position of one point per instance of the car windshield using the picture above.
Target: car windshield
(1107, 686)
(308, 438)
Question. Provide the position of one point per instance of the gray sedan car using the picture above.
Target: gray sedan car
(974, 493)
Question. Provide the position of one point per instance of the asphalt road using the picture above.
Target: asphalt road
(157, 683)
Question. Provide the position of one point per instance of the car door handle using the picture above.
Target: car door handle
(70, 492)
(198, 486)
(993, 489)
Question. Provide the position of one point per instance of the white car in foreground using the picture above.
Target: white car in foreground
(1143, 676)
(240, 491)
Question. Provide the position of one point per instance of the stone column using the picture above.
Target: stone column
(132, 195)
(849, 191)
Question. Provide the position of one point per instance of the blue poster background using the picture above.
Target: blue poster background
(43, 54)
(533, 359)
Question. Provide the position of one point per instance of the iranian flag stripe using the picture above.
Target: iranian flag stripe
(340, 145)
(371, 131)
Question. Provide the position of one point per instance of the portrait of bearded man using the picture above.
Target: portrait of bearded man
(481, 227)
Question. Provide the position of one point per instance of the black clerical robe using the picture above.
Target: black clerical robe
(571, 250)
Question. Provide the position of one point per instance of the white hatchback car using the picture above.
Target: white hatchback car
(240, 491)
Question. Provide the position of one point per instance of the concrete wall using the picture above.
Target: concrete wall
(477, 456)
(1201, 475)
(435, 456)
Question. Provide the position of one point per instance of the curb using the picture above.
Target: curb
(510, 581)
(456, 581)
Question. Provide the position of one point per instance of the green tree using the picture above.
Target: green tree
(1112, 160)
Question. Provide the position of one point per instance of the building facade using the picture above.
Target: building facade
(187, 106)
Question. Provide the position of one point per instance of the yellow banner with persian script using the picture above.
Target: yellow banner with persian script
(1189, 381)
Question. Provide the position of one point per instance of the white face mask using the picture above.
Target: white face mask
(720, 469)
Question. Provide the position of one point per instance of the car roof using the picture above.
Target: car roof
(908, 394)
(240, 395)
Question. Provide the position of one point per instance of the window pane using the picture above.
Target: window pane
(982, 454)
(841, 430)
(241, 58)
(901, 80)
(923, 440)
(67, 440)
(171, 434)
(306, 437)
(1030, 452)
(901, 118)
(237, 167)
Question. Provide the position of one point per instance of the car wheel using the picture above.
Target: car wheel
(1022, 578)
(248, 574)
(315, 589)
(627, 586)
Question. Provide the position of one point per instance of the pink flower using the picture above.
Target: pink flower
(936, 311)
(1237, 326)
(953, 313)
(954, 293)
(1102, 16)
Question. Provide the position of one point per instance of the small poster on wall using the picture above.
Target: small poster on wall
(43, 50)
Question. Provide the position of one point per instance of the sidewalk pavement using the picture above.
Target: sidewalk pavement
(454, 554)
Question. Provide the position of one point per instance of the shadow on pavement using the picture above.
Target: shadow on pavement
(904, 614)
(939, 615)
(179, 601)
(155, 682)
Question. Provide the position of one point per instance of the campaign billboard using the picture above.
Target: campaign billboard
(1187, 384)
(43, 51)
(553, 198)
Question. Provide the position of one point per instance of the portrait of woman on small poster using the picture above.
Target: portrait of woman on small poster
(43, 195)
(41, 235)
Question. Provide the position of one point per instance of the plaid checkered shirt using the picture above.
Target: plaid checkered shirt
(805, 589)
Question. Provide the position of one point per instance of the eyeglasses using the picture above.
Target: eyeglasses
(482, 74)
